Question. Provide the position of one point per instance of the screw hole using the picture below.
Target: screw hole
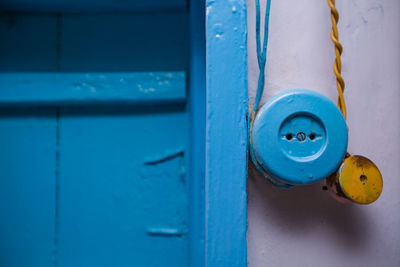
(301, 136)
(363, 179)
(289, 136)
(312, 136)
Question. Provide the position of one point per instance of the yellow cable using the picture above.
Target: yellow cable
(337, 67)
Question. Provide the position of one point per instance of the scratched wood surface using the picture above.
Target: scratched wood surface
(94, 185)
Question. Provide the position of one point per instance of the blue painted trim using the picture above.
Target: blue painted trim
(62, 89)
(90, 6)
(197, 101)
(226, 141)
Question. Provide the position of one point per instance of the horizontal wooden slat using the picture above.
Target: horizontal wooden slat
(90, 6)
(65, 89)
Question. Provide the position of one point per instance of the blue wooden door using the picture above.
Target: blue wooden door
(95, 140)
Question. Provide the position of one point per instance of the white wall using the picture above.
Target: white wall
(304, 226)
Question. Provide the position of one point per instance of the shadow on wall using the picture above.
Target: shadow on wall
(300, 210)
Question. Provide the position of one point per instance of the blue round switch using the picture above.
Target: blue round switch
(299, 137)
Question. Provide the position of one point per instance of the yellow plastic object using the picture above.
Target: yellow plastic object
(360, 179)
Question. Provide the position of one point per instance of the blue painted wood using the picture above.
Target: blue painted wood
(61, 89)
(94, 43)
(28, 42)
(120, 189)
(28, 148)
(124, 42)
(226, 143)
(27, 187)
(123, 187)
(197, 102)
(92, 5)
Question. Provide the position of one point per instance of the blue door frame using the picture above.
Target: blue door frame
(197, 102)
(226, 133)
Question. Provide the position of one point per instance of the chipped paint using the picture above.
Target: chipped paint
(165, 231)
(360, 180)
(37, 89)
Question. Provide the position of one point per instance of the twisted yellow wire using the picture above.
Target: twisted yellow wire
(337, 67)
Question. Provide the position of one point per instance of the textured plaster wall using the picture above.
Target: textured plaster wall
(304, 226)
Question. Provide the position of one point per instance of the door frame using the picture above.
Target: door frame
(226, 133)
(197, 105)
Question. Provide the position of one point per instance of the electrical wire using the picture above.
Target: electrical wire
(261, 52)
(337, 66)
(261, 59)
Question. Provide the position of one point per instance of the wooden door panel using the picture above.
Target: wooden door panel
(28, 42)
(94, 140)
(123, 187)
(27, 186)
(124, 42)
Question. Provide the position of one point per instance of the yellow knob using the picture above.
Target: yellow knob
(360, 179)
